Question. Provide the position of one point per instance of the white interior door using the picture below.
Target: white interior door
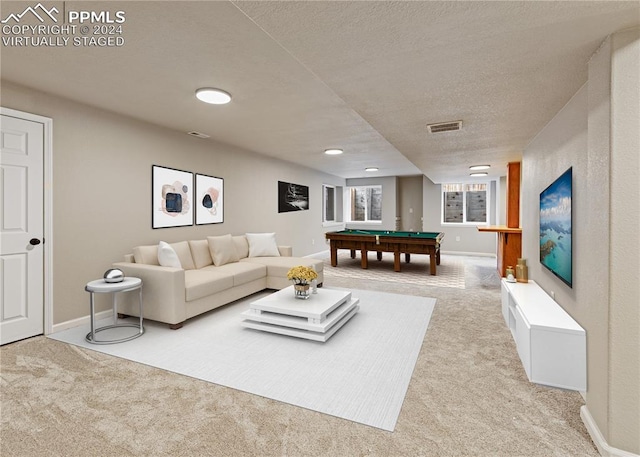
(21, 229)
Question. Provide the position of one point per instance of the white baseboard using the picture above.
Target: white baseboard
(326, 252)
(602, 445)
(475, 254)
(85, 320)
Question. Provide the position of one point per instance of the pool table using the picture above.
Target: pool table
(406, 243)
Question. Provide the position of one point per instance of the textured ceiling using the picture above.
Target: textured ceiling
(363, 76)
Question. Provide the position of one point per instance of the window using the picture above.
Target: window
(464, 203)
(365, 203)
(328, 203)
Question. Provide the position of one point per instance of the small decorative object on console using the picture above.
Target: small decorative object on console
(301, 277)
(522, 271)
(511, 277)
(113, 275)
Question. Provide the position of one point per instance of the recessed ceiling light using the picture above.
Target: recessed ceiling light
(479, 167)
(482, 173)
(213, 96)
(371, 169)
(333, 151)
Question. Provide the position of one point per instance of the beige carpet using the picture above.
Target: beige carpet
(468, 396)
(450, 272)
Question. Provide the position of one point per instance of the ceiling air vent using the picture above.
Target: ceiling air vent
(198, 134)
(444, 127)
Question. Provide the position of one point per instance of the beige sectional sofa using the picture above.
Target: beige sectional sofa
(205, 274)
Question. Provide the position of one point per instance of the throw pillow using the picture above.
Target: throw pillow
(242, 247)
(262, 245)
(183, 252)
(147, 255)
(200, 253)
(223, 250)
(167, 257)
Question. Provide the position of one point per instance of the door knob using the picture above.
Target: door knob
(34, 241)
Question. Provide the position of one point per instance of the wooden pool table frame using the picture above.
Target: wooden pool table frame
(406, 245)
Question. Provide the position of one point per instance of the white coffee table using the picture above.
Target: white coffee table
(317, 318)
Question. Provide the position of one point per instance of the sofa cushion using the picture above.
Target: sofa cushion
(241, 273)
(205, 282)
(167, 256)
(200, 253)
(184, 254)
(146, 255)
(242, 246)
(279, 266)
(223, 250)
(262, 245)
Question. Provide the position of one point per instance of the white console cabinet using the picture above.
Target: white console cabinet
(551, 344)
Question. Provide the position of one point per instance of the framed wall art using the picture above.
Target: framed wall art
(171, 197)
(556, 232)
(292, 197)
(209, 200)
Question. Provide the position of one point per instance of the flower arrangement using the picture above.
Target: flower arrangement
(301, 274)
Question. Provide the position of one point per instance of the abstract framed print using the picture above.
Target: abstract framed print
(292, 197)
(209, 201)
(171, 197)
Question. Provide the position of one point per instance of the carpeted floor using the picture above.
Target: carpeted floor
(469, 396)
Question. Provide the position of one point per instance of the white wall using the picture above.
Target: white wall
(410, 203)
(624, 361)
(560, 145)
(398, 194)
(597, 134)
(389, 199)
(465, 239)
(501, 203)
(102, 191)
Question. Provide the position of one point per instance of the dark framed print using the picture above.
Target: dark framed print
(171, 197)
(209, 200)
(292, 197)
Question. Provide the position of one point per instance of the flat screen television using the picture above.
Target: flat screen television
(555, 228)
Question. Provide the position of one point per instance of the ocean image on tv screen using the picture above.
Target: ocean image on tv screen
(555, 227)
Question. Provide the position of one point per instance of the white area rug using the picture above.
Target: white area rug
(361, 374)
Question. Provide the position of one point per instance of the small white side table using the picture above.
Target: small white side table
(99, 286)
